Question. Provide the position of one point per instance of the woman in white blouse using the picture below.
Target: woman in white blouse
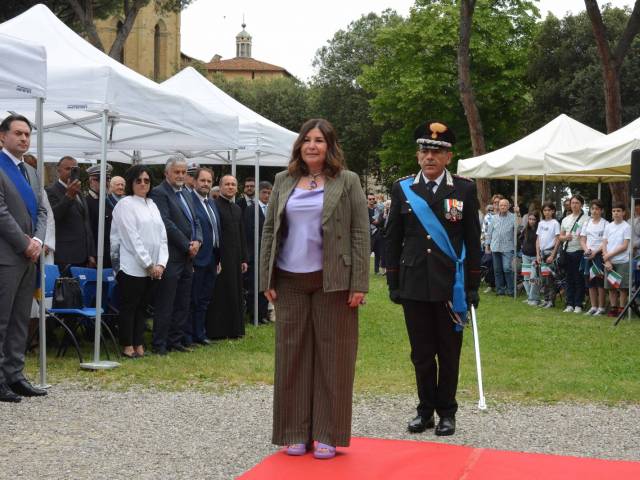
(139, 252)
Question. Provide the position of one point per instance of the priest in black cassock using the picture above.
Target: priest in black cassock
(226, 312)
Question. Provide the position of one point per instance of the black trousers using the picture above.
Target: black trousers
(171, 304)
(435, 354)
(134, 297)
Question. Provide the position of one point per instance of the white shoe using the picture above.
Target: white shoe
(487, 290)
(600, 311)
(533, 303)
(525, 301)
(568, 309)
(577, 310)
(548, 305)
(591, 311)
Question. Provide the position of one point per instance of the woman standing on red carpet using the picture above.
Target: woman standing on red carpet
(314, 268)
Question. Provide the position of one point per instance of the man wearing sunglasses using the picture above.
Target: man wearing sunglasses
(93, 205)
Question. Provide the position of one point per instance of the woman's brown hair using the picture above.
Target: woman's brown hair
(334, 161)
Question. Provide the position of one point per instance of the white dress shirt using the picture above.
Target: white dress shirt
(138, 235)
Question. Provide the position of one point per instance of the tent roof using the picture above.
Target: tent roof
(83, 83)
(23, 72)
(604, 156)
(255, 131)
(525, 158)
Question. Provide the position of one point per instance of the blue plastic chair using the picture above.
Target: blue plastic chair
(51, 274)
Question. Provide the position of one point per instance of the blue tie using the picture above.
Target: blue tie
(214, 223)
(23, 170)
(187, 212)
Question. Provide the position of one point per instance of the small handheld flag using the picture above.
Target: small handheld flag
(594, 272)
(614, 279)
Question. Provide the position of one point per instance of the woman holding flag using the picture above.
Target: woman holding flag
(569, 234)
(591, 237)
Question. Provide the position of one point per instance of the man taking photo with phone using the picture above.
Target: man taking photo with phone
(75, 246)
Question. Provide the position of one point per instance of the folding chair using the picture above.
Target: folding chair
(88, 280)
(51, 274)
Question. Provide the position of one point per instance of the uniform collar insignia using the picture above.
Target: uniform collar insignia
(449, 178)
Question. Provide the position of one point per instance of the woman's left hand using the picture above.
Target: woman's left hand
(355, 299)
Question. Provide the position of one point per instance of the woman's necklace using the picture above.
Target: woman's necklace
(313, 184)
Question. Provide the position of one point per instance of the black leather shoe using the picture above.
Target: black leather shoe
(178, 347)
(446, 426)
(7, 395)
(162, 351)
(419, 424)
(24, 388)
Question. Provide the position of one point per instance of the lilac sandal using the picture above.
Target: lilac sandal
(324, 451)
(296, 449)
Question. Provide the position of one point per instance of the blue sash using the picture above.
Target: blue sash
(24, 189)
(433, 227)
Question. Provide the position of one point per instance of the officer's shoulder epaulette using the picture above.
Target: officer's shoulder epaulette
(404, 178)
(462, 178)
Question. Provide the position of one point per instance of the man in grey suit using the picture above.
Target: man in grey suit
(23, 225)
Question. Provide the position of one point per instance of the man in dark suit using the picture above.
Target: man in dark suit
(93, 205)
(75, 245)
(184, 235)
(425, 279)
(248, 195)
(23, 225)
(206, 263)
(264, 193)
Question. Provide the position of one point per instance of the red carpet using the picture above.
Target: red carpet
(377, 459)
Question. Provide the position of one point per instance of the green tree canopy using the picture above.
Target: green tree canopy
(336, 94)
(565, 74)
(416, 77)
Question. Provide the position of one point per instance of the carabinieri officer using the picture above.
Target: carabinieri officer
(433, 270)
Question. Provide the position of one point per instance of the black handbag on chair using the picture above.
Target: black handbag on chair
(67, 293)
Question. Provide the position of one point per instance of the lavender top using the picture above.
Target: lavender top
(301, 250)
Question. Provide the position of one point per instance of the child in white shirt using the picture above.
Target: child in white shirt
(615, 254)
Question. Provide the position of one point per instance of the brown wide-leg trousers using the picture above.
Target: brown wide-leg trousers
(316, 346)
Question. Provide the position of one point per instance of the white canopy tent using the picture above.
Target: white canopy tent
(256, 133)
(263, 142)
(525, 158)
(23, 71)
(23, 77)
(96, 104)
(603, 156)
(85, 85)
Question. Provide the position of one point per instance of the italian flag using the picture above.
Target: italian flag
(526, 269)
(545, 270)
(614, 279)
(594, 272)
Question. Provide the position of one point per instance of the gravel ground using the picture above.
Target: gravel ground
(76, 434)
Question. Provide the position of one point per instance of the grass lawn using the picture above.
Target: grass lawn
(528, 355)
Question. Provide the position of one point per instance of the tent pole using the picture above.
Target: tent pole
(600, 189)
(633, 207)
(544, 187)
(234, 154)
(42, 329)
(97, 364)
(515, 242)
(256, 239)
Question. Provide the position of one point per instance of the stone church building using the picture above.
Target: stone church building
(153, 48)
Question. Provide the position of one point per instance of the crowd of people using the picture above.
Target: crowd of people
(185, 248)
(579, 253)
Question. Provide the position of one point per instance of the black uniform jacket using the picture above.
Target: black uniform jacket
(416, 267)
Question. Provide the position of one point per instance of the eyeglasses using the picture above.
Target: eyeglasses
(146, 181)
